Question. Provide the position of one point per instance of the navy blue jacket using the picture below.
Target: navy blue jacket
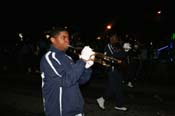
(61, 78)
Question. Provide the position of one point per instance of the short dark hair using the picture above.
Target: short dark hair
(55, 31)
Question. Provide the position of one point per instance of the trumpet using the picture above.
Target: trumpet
(99, 57)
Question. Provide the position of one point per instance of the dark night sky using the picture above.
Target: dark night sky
(90, 17)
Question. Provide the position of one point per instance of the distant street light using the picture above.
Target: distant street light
(159, 12)
(98, 38)
(109, 26)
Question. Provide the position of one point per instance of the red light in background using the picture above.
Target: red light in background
(109, 26)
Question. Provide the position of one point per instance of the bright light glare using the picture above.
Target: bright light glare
(98, 38)
(47, 36)
(109, 26)
(159, 12)
(20, 35)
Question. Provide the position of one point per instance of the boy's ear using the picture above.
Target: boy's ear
(52, 40)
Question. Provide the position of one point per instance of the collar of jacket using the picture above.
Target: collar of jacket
(52, 48)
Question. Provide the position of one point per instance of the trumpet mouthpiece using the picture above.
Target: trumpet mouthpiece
(70, 46)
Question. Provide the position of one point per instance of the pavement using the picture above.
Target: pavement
(152, 96)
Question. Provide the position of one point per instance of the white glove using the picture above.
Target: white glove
(127, 47)
(86, 53)
(89, 64)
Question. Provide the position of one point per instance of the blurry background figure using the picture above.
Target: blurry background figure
(26, 56)
(114, 81)
(126, 67)
(76, 41)
(133, 61)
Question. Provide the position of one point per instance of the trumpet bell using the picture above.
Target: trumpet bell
(101, 59)
(102, 62)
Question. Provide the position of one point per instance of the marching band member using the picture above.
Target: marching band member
(61, 76)
(126, 73)
(114, 84)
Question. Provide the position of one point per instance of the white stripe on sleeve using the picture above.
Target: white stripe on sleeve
(50, 63)
(53, 56)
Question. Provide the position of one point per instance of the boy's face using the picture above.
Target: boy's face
(61, 40)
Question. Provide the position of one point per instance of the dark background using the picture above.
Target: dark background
(89, 17)
(153, 93)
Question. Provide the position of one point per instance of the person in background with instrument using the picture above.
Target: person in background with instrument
(133, 62)
(61, 76)
(114, 84)
(128, 67)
